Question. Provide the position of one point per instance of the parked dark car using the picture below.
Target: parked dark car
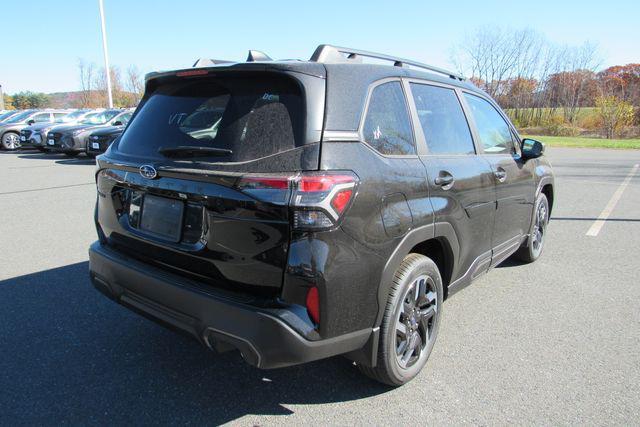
(331, 209)
(35, 136)
(72, 140)
(99, 140)
(10, 129)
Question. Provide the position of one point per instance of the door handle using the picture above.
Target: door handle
(500, 174)
(445, 179)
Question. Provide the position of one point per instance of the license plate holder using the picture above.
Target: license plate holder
(95, 145)
(162, 217)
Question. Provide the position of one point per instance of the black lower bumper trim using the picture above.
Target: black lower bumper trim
(264, 340)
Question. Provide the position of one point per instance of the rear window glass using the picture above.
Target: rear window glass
(442, 119)
(249, 116)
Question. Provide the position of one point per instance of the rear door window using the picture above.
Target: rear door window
(442, 120)
(387, 127)
(248, 117)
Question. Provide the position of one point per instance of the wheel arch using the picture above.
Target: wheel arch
(437, 241)
(16, 132)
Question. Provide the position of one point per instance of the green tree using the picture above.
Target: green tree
(20, 100)
(615, 114)
(28, 99)
(39, 100)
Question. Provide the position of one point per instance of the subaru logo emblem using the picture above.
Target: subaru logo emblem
(148, 171)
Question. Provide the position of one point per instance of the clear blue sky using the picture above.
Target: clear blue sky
(42, 51)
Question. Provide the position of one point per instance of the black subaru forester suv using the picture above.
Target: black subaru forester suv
(296, 210)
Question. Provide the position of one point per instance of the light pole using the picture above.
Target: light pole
(106, 54)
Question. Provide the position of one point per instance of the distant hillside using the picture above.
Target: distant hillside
(64, 99)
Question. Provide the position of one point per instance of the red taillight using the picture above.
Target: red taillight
(276, 183)
(341, 200)
(318, 199)
(274, 189)
(313, 304)
(322, 182)
(191, 73)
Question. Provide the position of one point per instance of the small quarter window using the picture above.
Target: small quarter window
(495, 134)
(387, 127)
(443, 122)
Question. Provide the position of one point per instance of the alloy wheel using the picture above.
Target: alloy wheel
(539, 228)
(11, 141)
(416, 321)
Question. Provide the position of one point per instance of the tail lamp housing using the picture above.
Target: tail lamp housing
(317, 199)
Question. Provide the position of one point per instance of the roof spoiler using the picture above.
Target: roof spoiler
(327, 54)
(254, 56)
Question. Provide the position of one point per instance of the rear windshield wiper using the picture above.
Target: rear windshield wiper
(191, 151)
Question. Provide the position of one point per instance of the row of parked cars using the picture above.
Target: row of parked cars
(72, 132)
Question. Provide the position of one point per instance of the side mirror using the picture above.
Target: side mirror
(117, 123)
(30, 122)
(532, 149)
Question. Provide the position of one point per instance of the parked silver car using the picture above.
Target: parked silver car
(10, 129)
(36, 135)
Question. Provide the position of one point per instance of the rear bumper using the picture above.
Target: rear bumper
(264, 338)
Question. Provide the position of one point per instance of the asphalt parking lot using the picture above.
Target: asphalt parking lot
(555, 342)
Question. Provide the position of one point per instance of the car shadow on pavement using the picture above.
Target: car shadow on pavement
(71, 355)
(77, 161)
(38, 155)
(59, 158)
(510, 262)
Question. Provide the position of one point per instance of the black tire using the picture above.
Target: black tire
(390, 368)
(10, 141)
(71, 154)
(533, 247)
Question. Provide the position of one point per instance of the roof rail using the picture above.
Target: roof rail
(331, 54)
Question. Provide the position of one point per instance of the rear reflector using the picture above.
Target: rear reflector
(313, 304)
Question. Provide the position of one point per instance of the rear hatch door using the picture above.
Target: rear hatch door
(198, 183)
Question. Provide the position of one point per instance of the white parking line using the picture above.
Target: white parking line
(597, 225)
